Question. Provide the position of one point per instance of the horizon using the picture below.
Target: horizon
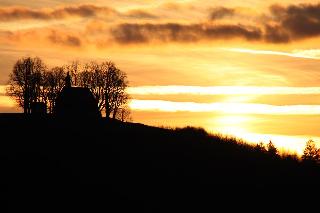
(248, 69)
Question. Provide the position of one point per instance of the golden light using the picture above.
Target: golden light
(239, 126)
(236, 125)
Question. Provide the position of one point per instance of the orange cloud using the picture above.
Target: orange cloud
(43, 37)
(174, 32)
(141, 14)
(281, 25)
(221, 12)
(22, 13)
(294, 22)
(64, 39)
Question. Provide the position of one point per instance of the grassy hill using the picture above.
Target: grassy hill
(49, 165)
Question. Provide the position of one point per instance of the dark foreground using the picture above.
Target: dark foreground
(57, 166)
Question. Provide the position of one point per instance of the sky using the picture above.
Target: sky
(246, 68)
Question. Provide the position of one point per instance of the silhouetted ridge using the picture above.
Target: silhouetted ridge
(111, 166)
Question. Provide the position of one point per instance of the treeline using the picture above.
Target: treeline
(32, 81)
(311, 154)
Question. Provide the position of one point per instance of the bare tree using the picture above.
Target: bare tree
(54, 82)
(93, 77)
(30, 82)
(115, 88)
(108, 84)
(26, 82)
(74, 69)
(124, 114)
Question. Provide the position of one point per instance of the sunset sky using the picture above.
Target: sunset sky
(247, 68)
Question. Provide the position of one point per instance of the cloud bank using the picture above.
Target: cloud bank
(173, 32)
(21, 13)
(293, 22)
(281, 24)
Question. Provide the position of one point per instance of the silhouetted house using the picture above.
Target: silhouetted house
(76, 102)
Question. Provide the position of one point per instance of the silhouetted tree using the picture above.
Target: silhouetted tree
(272, 149)
(74, 68)
(26, 82)
(92, 77)
(115, 91)
(311, 153)
(108, 84)
(260, 147)
(54, 82)
(124, 114)
(30, 82)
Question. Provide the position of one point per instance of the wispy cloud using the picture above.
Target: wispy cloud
(221, 90)
(226, 108)
(309, 54)
(44, 37)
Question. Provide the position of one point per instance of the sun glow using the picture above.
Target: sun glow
(234, 125)
(238, 120)
(239, 126)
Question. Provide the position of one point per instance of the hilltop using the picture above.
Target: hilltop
(89, 165)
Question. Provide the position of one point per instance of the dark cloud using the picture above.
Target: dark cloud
(221, 12)
(234, 31)
(8, 14)
(276, 34)
(20, 13)
(141, 14)
(39, 37)
(173, 32)
(83, 11)
(284, 23)
(296, 21)
(64, 39)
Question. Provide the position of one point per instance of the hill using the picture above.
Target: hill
(50, 164)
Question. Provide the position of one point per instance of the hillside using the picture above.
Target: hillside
(86, 165)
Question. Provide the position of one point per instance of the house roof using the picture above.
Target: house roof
(76, 102)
